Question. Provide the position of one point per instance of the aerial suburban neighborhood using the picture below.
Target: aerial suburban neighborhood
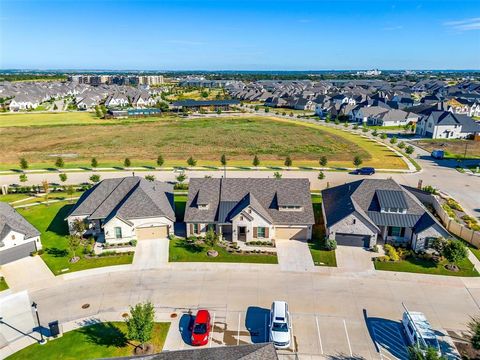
(240, 180)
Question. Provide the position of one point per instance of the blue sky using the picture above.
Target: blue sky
(239, 35)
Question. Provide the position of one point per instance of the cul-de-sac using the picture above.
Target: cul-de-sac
(240, 180)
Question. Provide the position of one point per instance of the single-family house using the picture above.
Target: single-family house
(375, 211)
(447, 125)
(246, 209)
(125, 209)
(18, 238)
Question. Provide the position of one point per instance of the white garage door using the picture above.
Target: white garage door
(293, 233)
(153, 232)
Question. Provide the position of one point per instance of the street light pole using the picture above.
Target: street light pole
(42, 339)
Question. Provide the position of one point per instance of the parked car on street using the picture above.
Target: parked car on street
(419, 331)
(364, 171)
(280, 326)
(201, 328)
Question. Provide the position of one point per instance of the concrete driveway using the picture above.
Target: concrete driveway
(150, 254)
(354, 259)
(27, 273)
(294, 255)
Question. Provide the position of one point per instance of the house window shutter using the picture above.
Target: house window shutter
(191, 229)
(267, 232)
(255, 232)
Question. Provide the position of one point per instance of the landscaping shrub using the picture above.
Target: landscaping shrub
(107, 253)
(391, 252)
(375, 248)
(454, 205)
(330, 244)
(449, 211)
(430, 189)
(133, 242)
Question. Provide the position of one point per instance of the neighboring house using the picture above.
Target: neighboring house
(18, 238)
(23, 103)
(130, 208)
(446, 125)
(371, 211)
(251, 208)
(117, 100)
(363, 114)
(393, 117)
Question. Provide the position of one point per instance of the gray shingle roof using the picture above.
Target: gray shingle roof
(366, 197)
(240, 352)
(226, 197)
(10, 219)
(129, 198)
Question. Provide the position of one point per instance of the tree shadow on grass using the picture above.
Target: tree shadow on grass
(190, 246)
(56, 252)
(58, 225)
(105, 334)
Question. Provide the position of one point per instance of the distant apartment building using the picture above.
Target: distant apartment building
(150, 80)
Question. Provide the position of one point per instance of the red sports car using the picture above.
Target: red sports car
(201, 328)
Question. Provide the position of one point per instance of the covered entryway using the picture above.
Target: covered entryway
(152, 232)
(353, 240)
(292, 233)
(17, 252)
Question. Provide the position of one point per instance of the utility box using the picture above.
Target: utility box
(54, 328)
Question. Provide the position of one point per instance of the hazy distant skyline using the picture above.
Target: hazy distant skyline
(239, 35)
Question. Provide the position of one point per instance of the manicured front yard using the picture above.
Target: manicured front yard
(183, 251)
(102, 340)
(3, 284)
(49, 220)
(423, 266)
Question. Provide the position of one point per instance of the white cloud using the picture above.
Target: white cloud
(464, 25)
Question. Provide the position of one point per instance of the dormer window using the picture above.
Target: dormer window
(203, 206)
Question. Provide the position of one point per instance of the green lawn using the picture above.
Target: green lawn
(102, 340)
(180, 203)
(8, 198)
(239, 138)
(49, 220)
(182, 251)
(3, 284)
(320, 256)
(417, 265)
(48, 119)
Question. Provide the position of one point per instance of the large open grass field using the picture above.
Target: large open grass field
(205, 139)
(46, 119)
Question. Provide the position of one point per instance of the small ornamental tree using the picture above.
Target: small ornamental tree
(23, 163)
(454, 251)
(393, 140)
(160, 160)
(277, 175)
(375, 132)
(150, 177)
(323, 161)
(223, 160)
(70, 190)
(357, 161)
(409, 149)
(267, 109)
(191, 161)
(94, 162)
(59, 163)
(127, 162)
(181, 177)
(95, 178)
(256, 161)
(63, 177)
(211, 239)
(46, 189)
(140, 323)
(23, 178)
(256, 108)
(321, 175)
(288, 161)
(383, 136)
(73, 245)
(401, 145)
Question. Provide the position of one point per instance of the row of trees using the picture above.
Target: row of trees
(191, 161)
(95, 178)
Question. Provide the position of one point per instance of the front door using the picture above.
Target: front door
(242, 233)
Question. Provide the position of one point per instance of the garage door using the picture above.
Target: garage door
(154, 232)
(291, 233)
(353, 240)
(17, 252)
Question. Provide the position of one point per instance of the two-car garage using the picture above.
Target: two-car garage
(152, 232)
(291, 233)
(353, 240)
